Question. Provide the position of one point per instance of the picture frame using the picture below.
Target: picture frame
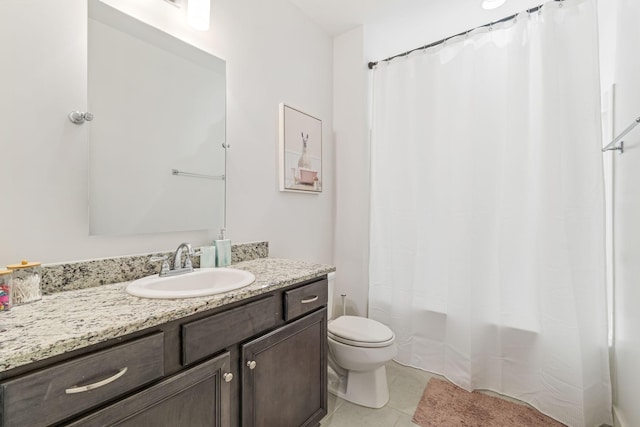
(300, 151)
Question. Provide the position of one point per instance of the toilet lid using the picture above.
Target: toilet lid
(360, 332)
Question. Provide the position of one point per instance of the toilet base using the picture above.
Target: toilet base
(365, 388)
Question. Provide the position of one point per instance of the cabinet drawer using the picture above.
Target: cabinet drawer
(198, 396)
(53, 394)
(304, 299)
(208, 336)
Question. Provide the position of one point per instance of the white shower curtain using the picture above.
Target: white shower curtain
(487, 231)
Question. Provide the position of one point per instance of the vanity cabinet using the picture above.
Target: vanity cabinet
(49, 395)
(281, 374)
(257, 362)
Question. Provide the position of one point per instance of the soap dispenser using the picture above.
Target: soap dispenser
(223, 250)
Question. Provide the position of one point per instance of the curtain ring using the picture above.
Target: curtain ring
(466, 35)
(491, 27)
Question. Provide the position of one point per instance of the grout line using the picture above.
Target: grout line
(339, 403)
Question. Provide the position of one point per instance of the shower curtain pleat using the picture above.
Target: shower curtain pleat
(487, 212)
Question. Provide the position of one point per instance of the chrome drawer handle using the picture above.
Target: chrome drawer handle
(88, 387)
(309, 300)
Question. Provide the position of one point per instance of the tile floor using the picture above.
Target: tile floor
(406, 386)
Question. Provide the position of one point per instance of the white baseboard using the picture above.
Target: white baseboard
(618, 421)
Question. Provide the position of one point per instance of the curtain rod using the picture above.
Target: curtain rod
(372, 65)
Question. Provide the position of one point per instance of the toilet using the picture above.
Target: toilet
(358, 350)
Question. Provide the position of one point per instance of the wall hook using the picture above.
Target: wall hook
(612, 145)
(620, 148)
(78, 117)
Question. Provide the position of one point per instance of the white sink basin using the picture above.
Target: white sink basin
(201, 282)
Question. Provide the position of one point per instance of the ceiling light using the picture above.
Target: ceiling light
(492, 4)
(198, 14)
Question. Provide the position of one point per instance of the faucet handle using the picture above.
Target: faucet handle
(187, 262)
(165, 263)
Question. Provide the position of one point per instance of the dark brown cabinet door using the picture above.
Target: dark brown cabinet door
(196, 397)
(284, 375)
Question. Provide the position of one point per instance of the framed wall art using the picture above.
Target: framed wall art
(300, 151)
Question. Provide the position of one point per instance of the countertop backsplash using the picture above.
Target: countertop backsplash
(90, 273)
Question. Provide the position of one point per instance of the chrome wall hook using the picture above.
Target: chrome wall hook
(78, 117)
(612, 145)
(619, 148)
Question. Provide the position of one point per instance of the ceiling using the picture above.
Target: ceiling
(338, 16)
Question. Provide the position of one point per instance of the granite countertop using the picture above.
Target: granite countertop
(66, 321)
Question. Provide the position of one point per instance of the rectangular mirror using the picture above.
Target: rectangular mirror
(157, 156)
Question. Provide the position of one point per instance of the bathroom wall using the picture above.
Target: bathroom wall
(43, 168)
(626, 213)
(350, 95)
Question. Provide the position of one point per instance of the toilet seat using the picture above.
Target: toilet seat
(360, 332)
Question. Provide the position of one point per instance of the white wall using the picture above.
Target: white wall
(43, 169)
(350, 94)
(275, 54)
(626, 215)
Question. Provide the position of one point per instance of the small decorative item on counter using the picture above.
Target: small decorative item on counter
(26, 282)
(6, 290)
(207, 257)
(223, 250)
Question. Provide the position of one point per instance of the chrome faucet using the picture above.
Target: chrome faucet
(177, 268)
(177, 257)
